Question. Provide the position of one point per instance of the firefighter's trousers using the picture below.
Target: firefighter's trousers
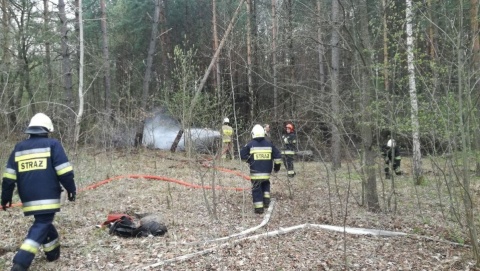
(227, 150)
(288, 162)
(41, 234)
(261, 193)
(396, 166)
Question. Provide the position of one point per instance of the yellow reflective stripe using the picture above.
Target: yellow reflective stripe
(64, 170)
(32, 155)
(10, 176)
(258, 204)
(50, 248)
(30, 246)
(41, 207)
(288, 152)
(51, 245)
(252, 151)
(260, 177)
(260, 148)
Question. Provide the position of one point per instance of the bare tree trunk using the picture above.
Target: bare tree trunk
(193, 103)
(217, 74)
(433, 56)
(464, 131)
(476, 66)
(249, 60)
(385, 47)
(321, 49)
(106, 60)
(218, 90)
(47, 61)
(274, 59)
(80, 77)
(148, 73)
(22, 56)
(366, 127)
(7, 92)
(417, 155)
(66, 64)
(335, 102)
(165, 43)
(290, 58)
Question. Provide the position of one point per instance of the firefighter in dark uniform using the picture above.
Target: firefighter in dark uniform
(289, 140)
(262, 156)
(391, 154)
(39, 167)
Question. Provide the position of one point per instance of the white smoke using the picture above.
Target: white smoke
(161, 130)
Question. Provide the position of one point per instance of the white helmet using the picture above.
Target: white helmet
(226, 120)
(258, 131)
(391, 143)
(40, 124)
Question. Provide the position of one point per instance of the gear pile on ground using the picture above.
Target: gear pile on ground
(124, 225)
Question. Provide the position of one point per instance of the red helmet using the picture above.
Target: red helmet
(289, 126)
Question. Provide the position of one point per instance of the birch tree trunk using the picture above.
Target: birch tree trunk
(78, 120)
(106, 60)
(335, 102)
(148, 74)
(417, 156)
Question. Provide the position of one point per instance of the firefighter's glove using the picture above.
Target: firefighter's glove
(285, 140)
(72, 196)
(6, 203)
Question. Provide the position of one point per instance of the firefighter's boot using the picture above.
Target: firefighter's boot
(266, 202)
(259, 210)
(53, 255)
(18, 267)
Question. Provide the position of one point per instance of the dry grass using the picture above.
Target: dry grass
(318, 198)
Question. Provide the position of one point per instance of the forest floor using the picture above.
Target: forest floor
(292, 236)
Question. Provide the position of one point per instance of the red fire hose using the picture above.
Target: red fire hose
(167, 179)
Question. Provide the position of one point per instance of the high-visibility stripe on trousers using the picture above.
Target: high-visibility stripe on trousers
(41, 233)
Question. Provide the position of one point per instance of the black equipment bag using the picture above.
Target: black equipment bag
(123, 227)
